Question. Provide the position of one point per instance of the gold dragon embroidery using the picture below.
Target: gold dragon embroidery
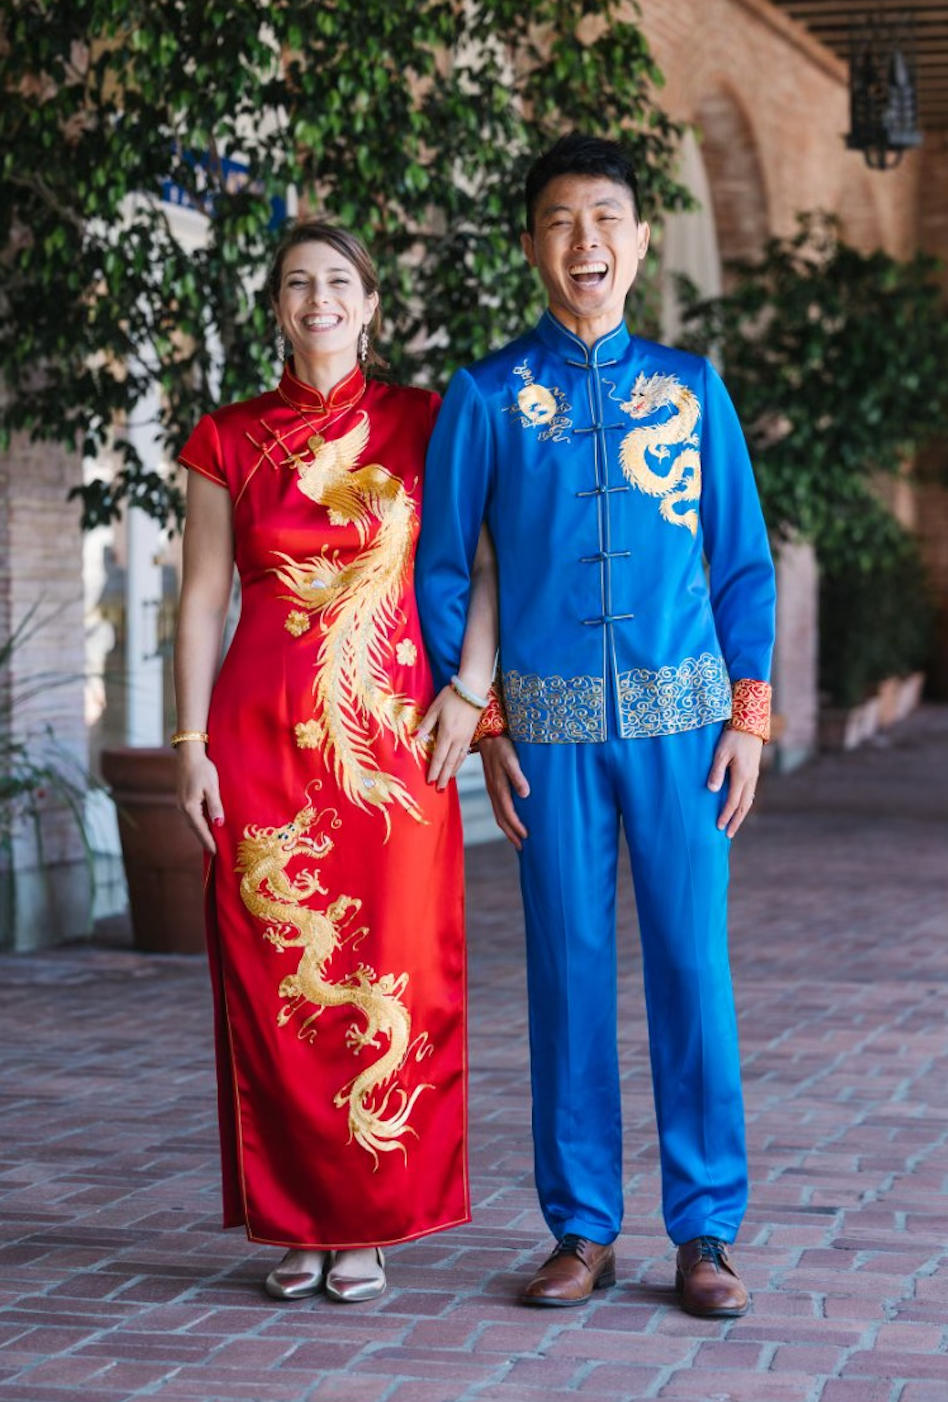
(682, 480)
(358, 605)
(378, 1108)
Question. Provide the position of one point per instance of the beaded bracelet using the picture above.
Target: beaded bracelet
(471, 697)
(179, 737)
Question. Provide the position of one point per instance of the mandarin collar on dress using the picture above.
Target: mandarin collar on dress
(557, 338)
(302, 396)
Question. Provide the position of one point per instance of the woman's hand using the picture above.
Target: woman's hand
(455, 721)
(199, 794)
(738, 757)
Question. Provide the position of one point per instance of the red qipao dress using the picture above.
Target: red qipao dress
(335, 903)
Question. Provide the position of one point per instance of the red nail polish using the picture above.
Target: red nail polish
(218, 822)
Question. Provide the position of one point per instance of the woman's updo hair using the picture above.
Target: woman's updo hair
(351, 248)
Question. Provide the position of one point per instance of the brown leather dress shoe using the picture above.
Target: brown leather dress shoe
(568, 1277)
(706, 1280)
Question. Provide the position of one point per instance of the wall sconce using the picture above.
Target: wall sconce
(883, 106)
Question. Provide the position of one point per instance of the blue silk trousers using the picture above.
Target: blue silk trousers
(654, 790)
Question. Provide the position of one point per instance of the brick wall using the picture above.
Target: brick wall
(772, 106)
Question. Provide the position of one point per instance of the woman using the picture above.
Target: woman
(334, 892)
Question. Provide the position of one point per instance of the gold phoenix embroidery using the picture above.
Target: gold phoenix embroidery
(682, 481)
(358, 606)
(378, 1108)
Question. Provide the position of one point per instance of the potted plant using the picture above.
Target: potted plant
(43, 787)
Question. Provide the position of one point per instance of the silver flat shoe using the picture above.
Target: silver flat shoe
(347, 1288)
(299, 1275)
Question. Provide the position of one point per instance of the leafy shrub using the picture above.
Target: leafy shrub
(876, 614)
(36, 772)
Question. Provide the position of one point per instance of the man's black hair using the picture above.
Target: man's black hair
(577, 154)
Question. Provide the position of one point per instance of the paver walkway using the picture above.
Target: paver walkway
(115, 1282)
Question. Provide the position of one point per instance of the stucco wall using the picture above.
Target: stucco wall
(44, 889)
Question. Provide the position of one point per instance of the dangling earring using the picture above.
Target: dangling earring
(363, 345)
(280, 343)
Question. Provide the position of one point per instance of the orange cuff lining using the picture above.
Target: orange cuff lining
(750, 708)
(493, 719)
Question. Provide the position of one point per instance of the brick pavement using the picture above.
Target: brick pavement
(115, 1282)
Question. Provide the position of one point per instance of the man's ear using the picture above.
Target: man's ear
(526, 243)
(644, 235)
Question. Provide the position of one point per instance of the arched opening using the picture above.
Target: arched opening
(735, 177)
(689, 241)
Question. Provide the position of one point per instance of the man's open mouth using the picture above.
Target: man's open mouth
(588, 274)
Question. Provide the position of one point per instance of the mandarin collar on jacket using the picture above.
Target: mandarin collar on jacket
(605, 351)
(303, 396)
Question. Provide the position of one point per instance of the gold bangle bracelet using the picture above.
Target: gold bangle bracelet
(180, 736)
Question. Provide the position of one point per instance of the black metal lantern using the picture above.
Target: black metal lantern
(883, 107)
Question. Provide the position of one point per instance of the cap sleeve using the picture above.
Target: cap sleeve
(434, 404)
(202, 452)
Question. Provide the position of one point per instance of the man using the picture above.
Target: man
(636, 594)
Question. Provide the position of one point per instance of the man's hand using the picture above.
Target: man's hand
(738, 758)
(504, 778)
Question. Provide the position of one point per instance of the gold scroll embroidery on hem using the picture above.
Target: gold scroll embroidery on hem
(569, 710)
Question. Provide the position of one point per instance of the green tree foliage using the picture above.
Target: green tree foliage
(411, 124)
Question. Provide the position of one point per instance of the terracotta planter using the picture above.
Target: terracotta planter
(164, 862)
(910, 694)
(888, 693)
(899, 697)
(843, 728)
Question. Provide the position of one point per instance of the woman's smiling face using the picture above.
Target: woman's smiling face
(322, 305)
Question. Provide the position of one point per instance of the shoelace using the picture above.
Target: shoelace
(712, 1248)
(570, 1245)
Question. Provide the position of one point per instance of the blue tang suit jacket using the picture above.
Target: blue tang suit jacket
(635, 574)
